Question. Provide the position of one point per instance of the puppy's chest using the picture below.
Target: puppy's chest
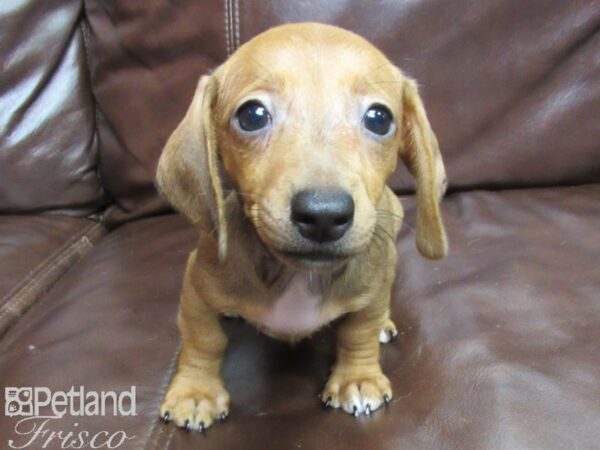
(299, 310)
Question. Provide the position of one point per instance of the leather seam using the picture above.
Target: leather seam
(168, 442)
(227, 42)
(17, 300)
(37, 268)
(37, 276)
(237, 24)
(86, 38)
(157, 428)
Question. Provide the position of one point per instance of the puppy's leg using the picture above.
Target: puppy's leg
(197, 396)
(357, 384)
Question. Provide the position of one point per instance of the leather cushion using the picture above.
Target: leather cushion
(497, 344)
(48, 143)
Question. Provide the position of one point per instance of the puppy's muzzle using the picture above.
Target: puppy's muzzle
(322, 215)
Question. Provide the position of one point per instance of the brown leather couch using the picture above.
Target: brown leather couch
(499, 344)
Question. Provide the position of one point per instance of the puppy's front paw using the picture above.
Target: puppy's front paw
(195, 405)
(357, 392)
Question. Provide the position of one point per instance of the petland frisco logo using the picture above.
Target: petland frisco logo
(41, 408)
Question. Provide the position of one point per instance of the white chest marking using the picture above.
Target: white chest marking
(297, 310)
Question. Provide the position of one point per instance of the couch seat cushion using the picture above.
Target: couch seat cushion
(35, 251)
(497, 346)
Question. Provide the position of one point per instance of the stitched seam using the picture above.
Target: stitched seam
(237, 24)
(171, 433)
(104, 195)
(86, 39)
(157, 428)
(6, 300)
(153, 430)
(231, 35)
(226, 2)
(13, 305)
(107, 213)
(22, 295)
(29, 278)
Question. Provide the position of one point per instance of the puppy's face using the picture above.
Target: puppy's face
(308, 121)
(308, 131)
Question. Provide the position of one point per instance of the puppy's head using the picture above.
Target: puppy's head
(308, 122)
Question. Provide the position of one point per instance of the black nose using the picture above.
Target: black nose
(322, 215)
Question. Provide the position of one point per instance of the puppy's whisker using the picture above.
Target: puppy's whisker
(387, 218)
(409, 227)
(385, 212)
(388, 215)
(391, 237)
(261, 210)
(272, 232)
(373, 83)
(263, 67)
(376, 255)
(380, 229)
(364, 77)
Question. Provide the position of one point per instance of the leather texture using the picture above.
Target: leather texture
(47, 123)
(145, 61)
(497, 345)
(108, 324)
(35, 252)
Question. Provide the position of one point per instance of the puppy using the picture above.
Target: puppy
(305, 122)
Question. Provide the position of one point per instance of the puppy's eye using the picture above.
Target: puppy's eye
(252, 116)
(378, 119)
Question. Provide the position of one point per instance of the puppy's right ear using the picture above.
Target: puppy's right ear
(188, 173)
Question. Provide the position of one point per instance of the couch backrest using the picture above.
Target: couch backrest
(48, 143)
(512, 88)
(145, 60)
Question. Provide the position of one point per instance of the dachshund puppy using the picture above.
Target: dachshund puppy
(304, 123)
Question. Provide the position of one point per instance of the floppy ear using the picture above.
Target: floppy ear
(421, 154)
(188, 173)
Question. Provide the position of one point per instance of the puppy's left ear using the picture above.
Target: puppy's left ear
(421, 154)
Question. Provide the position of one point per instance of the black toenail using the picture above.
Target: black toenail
(387, 399)
(368, 409)
(187, 425)
(224, 416)
(201, 427)
(166, 417)
(355, 411)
